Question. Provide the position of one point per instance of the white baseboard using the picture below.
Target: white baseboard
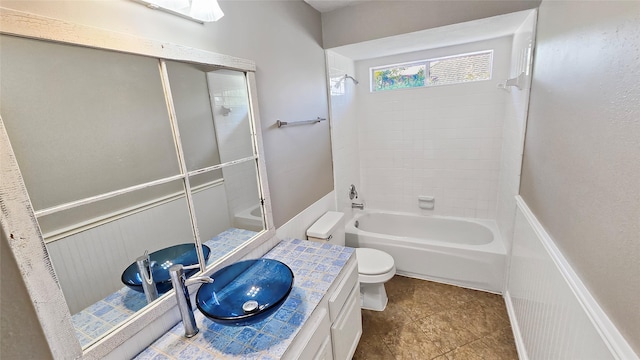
(517, 335)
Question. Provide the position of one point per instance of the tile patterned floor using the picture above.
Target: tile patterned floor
(428, 320)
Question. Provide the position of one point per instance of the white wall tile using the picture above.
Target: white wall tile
(515, 118)
(440, 141)
(346, 134)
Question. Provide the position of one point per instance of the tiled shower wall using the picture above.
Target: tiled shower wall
(344, 128)
(515, 121)
(442, 141)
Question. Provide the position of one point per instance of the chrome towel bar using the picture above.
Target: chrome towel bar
(284, 123)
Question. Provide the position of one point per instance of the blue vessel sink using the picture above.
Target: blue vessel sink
(245, 292)
(161, 261)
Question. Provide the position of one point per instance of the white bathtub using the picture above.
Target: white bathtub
(463, 252)
(249, 219)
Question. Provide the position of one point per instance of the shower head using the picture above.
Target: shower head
(343, 78)
(352, 78)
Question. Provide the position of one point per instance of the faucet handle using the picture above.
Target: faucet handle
(199, 279)
(190, 267)
(353, 193)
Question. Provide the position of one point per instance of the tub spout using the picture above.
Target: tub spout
(357, 206)
(180, 284)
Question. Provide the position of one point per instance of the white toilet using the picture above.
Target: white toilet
(375, 267)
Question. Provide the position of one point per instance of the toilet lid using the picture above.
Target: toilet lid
(373, 262)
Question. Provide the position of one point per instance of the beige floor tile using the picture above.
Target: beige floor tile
(425, 320)
(452, 295)
(396, 310)
(447, 330)
(488, 299)
(502, 344)
(372, 348)
(380, 323)
(426, 298)
(481, 320)
(400, 284)
(419, 306)
(408, 342)
(476, 350)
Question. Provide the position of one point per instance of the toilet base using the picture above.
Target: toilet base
(373, 296)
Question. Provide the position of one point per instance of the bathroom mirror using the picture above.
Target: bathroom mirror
(123, 154)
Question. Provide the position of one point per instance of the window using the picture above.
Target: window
(432, 72)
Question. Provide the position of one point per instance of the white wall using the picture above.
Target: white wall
(515, 122)
(582, 152)
(442, 141)
(344, 129)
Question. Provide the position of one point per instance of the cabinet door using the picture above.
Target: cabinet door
(326, 351)
(311, 340)
(347, 329)
(340, 296)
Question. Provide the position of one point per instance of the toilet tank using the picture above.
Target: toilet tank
(329, 228)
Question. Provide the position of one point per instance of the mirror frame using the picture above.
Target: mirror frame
(18, 220)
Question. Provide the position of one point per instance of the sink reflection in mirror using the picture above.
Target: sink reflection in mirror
(89, 260)
(159, 263)
(101, 165)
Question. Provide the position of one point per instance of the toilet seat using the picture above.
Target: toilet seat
(374, 266)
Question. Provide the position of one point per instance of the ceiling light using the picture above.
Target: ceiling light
(205, 10)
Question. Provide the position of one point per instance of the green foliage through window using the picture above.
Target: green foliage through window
(441, 71)
(399, 77)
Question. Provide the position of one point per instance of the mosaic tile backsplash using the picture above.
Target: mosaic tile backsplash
(315, 267)
(93, 322)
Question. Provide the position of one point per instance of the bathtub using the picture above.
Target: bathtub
(249, 219)
(457, 251)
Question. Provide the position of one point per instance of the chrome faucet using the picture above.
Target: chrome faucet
(357, 206)
(180, 284)
(353, 193)
(145, 269)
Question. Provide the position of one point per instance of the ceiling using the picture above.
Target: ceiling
(466, 32)
(330, 5)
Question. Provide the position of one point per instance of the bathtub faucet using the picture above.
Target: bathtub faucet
(357, 206)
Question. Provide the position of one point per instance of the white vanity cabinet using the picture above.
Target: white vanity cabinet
(335, 326)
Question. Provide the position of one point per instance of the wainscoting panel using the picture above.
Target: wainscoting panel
(89, 264)
(552, 313)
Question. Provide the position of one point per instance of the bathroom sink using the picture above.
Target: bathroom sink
(245, 292)
(161, 261)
